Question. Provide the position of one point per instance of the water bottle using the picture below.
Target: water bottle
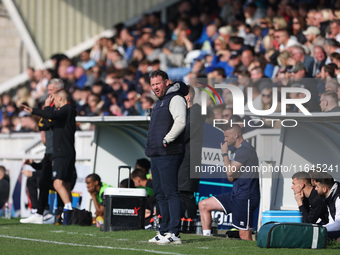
(189, 225)
(99, 221)
(198, 226)
(7, 211)
(183, 224)
(214, 226)
(159, 217)
(155, 223)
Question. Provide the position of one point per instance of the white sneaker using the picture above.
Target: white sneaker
(170, 238)
(47, 216)
(33, 219)
(157, 238)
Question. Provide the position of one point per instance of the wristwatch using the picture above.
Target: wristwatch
(224, 154)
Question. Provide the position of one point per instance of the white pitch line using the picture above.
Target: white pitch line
(90, 246)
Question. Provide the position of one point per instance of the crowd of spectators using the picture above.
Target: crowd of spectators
(260, 44)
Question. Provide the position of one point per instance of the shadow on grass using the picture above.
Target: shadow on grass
(208, 239)
(198, 240)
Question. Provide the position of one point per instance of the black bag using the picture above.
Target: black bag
(81, 217)
(233, 234)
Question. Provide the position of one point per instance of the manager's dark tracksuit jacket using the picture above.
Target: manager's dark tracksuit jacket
(63, 130)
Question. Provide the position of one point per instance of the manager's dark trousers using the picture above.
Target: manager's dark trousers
(32, 187)
(164, 171)
(45, 182)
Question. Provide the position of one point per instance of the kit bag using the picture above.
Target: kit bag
(292, 235)
(81, 217)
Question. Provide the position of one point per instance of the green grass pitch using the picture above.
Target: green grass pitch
(17, 238)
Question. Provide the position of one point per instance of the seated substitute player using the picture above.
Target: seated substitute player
(244, 198)
(96, 189)
(312, 206)
(330, 189)
(138, 176)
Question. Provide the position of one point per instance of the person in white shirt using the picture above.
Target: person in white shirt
(283, 38)
(330, 189)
